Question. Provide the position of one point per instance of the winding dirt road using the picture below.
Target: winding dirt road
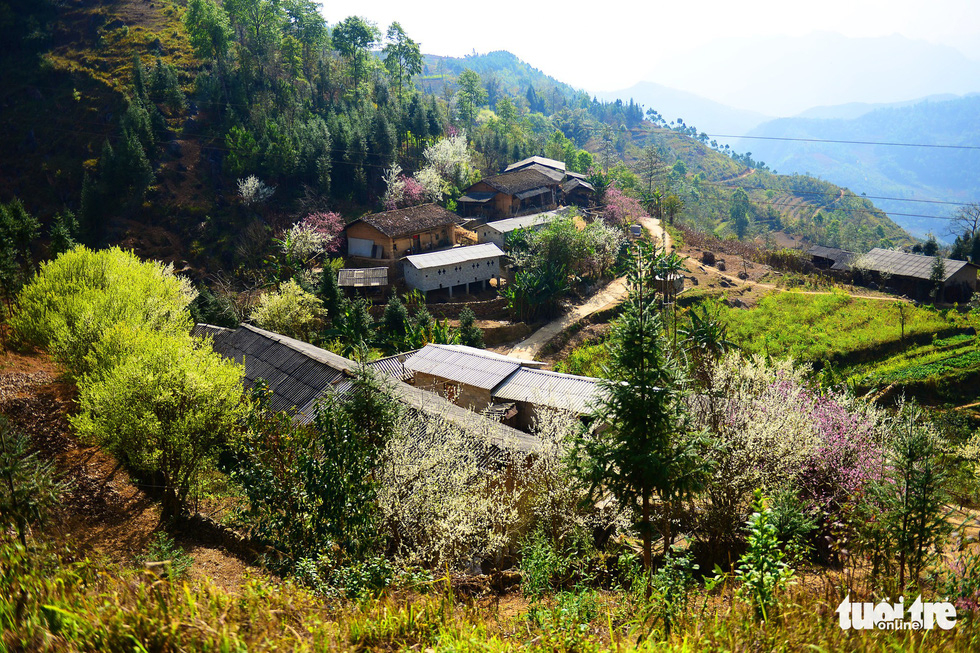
(613, 293)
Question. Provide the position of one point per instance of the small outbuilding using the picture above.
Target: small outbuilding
(831, 258)
(453, 267)
(363, 277)
(393, 234)
(910, 274)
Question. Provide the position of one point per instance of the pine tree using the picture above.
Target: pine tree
(646, 452)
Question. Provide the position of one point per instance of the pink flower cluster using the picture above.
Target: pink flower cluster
(331, 226)
(620, 208)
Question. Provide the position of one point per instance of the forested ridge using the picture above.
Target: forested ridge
(140, 119)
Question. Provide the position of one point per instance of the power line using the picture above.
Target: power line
(827, 140)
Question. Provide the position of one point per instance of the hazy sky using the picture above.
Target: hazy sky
(613, 44)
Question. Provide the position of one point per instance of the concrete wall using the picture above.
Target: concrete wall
(447, 276)
(464, 396)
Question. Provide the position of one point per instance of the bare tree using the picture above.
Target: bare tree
(966, 220)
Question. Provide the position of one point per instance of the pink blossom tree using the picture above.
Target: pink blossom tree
(331, 226)
(620, 209)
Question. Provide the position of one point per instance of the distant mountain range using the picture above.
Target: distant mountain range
(707, 115)
(784, 76)
(904, 172)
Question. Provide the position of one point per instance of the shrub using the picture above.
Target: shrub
(161, 404)
(29, 489)
(290, 311)
(762, 570)
(76, 298)
(163, 549)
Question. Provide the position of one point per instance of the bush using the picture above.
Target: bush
(762, 570)
(29, 489)
(161, 404)
(290, 311)
(79, 296)
(163, 549)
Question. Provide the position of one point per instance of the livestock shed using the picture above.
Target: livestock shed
(831, 258)
(496, 232)
(392, 234)
(362, 277)
(508, 194)
(453, 267)
(578, 191)
(300, 375)
(909, 274)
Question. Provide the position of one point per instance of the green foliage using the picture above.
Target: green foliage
(209, 29)
(547, 566)
(75, 299)
(162, 404)
(903, 526)
(666, 592)
(311, 489)
(739, 212)
(29, 488)
(762, 570)
(646, 451)
(290, 311)
(63, 233)
(208, 308)
(18, 230)
(470, 335)
(163, 549)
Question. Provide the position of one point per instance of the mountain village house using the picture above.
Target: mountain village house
(393, 234)
(515, 391)
(454, 267)
(509, 194)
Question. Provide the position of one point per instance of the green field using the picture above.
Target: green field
(862, 338)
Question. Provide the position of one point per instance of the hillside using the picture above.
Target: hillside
(713, 117)
(919, 173)
(107, 74)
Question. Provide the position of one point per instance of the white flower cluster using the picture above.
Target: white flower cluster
(449, 498)
(302, 242)
(253, 191)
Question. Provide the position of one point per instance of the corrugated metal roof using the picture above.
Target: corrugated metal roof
(393, 366)
(512, 224)
(363, 277)
(201, 330)
(464, 366)
(579, 394)
(453, 256)
(295, 371)
(902, 264)
(308, 372)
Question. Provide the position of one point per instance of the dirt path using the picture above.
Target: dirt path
(746, 283)
(613, 293)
